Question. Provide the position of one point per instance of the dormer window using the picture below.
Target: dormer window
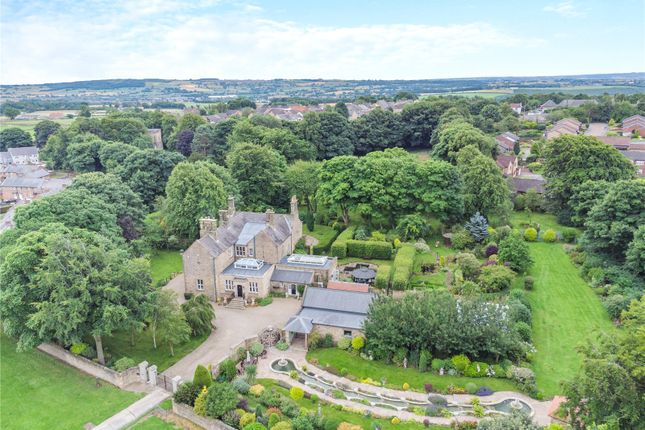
(240, 251)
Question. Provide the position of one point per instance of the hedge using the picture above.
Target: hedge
(382, 276)
(339, 247)
(403, 265)
(369, 249)
(323, 247)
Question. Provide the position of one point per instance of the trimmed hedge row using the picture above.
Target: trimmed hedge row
(339, 247)
(323, 247)
(369, 249)
(382, 276)
(403, 266)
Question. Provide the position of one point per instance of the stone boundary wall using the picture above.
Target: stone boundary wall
(119, 379)
(207, 423)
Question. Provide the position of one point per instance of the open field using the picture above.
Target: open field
(163, 263)
(592, 90)
(38, 392)
(566, 313)
(28, 124)
(397, 376)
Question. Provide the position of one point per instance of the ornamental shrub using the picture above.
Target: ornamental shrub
(255, 426)
(477, 226)
(437, 399)
(468, 264)
(524, 377)
(232, 418)
(220, 399)
(78, 348)
(358, 342)
(344, 426)
(328, 341)
(361, 233)
(518, 311)
(282, 345)
(428, 387)
(256, 390)
(515, 251)
(369, 249)
(256, 349)
(484, 391)
(273, 419)
(395, 421)
(424, 360)
(460, 362)
(461, 239)
(339, 247)
(528, 283)
(124, 363)
(549, 236)
(498, 371)
(491, 249)
(406, 386)
(403, 266)
(296, 393)
(530, 234)
(344, 343)
(240, 385)
(471, 388)
(227, 370)
(303, 422)
(437, 364)
(382, 276)
(524, 330)
(314, 398)
(200, 402)
(495, 278)
(246, 419)
(249, 373)
(412, 227)
(202, 377)
(187, 393)
(520, 296)
(294, 374)
(569, 235)
(476, 369)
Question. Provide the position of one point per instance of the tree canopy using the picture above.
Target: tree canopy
(14, 137)
(329, 132)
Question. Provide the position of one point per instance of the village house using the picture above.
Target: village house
(244, 256)
(23, 155)
(563, 127)
(638, 158)
(521, 179)
(516, 107)
(19, 188)
(5, 158)
(336, 312)
(634, 124)
(506, 141)
(508, 164)
(619, 142)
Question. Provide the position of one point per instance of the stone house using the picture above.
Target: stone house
(19, 188)
(248, 255)
(339, 313)
(24, 155)
(506, 141)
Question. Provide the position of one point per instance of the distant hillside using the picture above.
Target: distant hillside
(158, 90)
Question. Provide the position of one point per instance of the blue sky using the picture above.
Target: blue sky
(59, 40)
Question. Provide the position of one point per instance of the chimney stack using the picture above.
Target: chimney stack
(270, 216)
(207, 226)
(294, 207)
(223, 217)
(231, 206)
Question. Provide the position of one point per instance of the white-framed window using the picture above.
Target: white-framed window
(240, 251)
(253, 287)
(250, 251)
(347, 333)
(200, 285)
(228, 285)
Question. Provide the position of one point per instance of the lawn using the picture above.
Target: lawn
(519, 219)
(38, 392)
(330, 412)
(164, 263)
(325, 235)
(396, 376)
(153, 423)
(119, 346)
(566, 313)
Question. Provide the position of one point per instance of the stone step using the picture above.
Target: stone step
(236, 303)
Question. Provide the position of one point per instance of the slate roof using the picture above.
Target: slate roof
(618, 142)
(299, 324)
(249, 231)
(522, 185)
(292, 276)
(24, 150)
(337, 300)
(634, 154)
(5, 157)
(227, 236)
(247, 273)
(16, 181)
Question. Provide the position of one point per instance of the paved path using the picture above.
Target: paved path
(135, 411)
(540, 409)
(232, 327)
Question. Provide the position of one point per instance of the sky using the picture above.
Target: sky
(63, 40)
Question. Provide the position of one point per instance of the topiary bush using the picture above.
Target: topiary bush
(256, 349)
(241, 385)
(424, 360)
(524, 330)
(395, 421)
(495, 278)
(220, 399)
(227, 370)
(358, 342)
(187, 393)
(471, 388)
(344, 343)
(549, 236)
(530, 234)
(255, 426)
(282, 345)
(529, 282)
(202, 376)
(296, 393)
(460, 362)
(246, 419)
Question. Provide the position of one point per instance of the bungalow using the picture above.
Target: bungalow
(638, 158)
(548, 105)
(634, 124)
(325, 311)
(506, 141)
(619, 142)
(565, 126)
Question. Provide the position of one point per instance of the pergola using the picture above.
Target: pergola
(298, 325)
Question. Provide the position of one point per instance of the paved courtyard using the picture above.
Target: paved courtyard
(232, 327)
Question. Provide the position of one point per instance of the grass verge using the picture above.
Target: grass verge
(163, 263)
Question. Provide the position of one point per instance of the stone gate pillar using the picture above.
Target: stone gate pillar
(152, 375)
(143, 371)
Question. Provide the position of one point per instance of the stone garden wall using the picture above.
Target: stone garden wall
(120, 379)
(187, 412)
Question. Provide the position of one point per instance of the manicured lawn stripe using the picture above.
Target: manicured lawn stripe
(38, 392)
(566, 313)
(163, 263)
(397, 376)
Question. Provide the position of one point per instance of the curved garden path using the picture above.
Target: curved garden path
(540, 408)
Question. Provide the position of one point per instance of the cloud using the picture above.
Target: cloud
(173, 41)
(566, 8)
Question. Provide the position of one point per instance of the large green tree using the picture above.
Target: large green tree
(377, 130)
(420, 119)
(192, 192)
(14, 137)
(456, 135)
(613, 220)
(584, 197)
(43, 130)
(484, 188)
(212, 139)
(80, 285)
(146, 172)
(635, 255)
(571, 160)
(288, 144)
(259, 171)
(302, 180)
(337, 190)
(329, 132)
